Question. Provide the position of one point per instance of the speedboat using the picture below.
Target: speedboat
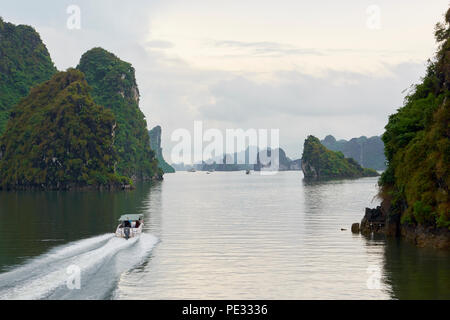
(130, 226)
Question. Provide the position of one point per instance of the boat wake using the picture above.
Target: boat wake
(85, 269)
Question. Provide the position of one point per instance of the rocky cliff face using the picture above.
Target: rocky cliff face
(114, 86)
(319, 163)
(155, 144)
(309, 171)
(381, 221)
(368, 152)
(24, 63)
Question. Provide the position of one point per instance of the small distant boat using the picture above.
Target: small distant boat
(130, 226)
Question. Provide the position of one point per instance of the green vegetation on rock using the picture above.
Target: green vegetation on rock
(155, 145)
(58, 138)
(417, 146)
(24, 63)
(114, 87)
(319, 163)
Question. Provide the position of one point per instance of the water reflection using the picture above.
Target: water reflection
(219, 236)
(33, 222)
(414, 273)
(237, 236)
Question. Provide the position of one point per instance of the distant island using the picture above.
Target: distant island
(240, 161)
(76, 129)
(284, 164)
(155, 144)
(415, 186)
(368, 152)
(319, 163)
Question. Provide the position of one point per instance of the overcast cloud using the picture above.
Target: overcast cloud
(303, 67)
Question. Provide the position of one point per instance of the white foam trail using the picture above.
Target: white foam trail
(101, 260)
(47, 260)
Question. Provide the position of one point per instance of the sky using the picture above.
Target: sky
(303, 67)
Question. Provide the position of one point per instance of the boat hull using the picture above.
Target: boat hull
(132, 232)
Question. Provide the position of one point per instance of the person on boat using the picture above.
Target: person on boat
(127, 224)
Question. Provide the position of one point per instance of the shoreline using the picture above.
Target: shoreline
(74, 187)
(380, 221)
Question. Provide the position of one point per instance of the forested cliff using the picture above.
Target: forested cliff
(114, 86)
(58, 138)
(417, 146)
(24, 63)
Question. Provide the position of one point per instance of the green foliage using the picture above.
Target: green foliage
(24, 62)
(114, 86)
(155, 145)
(417, 146)
(59, 138)
(319, 163)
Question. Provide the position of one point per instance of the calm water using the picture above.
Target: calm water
(218, 236)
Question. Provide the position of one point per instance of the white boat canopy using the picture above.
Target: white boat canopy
(131, 217)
